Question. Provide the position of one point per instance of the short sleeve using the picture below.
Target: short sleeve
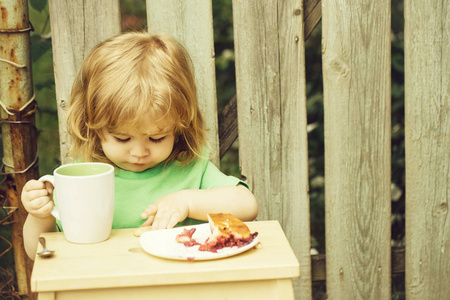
(213, 178)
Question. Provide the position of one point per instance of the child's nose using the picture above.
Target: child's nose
(140, 150)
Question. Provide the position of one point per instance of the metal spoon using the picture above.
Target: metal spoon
(45, 252)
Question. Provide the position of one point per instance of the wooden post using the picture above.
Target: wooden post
(427, 144)
(357, 107)
(271, 93)
(18, 123)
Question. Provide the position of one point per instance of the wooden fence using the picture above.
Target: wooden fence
(269, 40)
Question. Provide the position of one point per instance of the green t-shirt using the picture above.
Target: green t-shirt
(136, 191)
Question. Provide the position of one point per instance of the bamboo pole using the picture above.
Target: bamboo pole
(18, 124)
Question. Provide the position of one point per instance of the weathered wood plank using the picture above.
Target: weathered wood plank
(318, 267)
(313, 15)
(356, 72)
(427, 144)
(270, 77)
(228, 128)
(77, 26)
(318, 264)
(191, 23)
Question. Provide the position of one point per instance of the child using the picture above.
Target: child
(133, 105)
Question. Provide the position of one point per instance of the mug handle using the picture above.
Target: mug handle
(51, 179)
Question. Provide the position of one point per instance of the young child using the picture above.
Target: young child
(133, 105)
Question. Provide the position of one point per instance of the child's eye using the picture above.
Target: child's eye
(122, 140)
(156, 140)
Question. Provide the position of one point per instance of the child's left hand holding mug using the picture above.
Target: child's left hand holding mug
(166, 212)
(37, 198)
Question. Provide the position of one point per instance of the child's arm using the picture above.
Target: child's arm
(174, 208)
(37, 202)
(32, 229)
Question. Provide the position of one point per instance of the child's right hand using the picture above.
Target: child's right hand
(37, 198)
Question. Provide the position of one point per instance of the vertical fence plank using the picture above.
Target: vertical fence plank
(191, 23)
(77, 26)
(356, 69)
(270, 73)
(427, 137)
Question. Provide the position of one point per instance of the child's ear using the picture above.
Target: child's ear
(182, 156)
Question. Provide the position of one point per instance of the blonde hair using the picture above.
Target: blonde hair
(132, 76)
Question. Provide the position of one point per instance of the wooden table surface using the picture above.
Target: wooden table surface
(121, 262)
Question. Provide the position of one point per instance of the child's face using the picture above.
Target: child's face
(138, 149)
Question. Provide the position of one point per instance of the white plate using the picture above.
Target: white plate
(162, 243)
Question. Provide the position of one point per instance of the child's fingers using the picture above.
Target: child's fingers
(37, 184)
(40, 207)
(149, 221)
(166, 221)
(161, 220)
(173, 220)
(40, 202)
(34, 206)
(141, 230)
(150, 211)
(46, 209)
(34, 189)
(36, 194)
(34, 199)
(156, 224)
(32, 185)
(48, 187)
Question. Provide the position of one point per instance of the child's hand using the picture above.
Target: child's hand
(36, 198)
(166, 212)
